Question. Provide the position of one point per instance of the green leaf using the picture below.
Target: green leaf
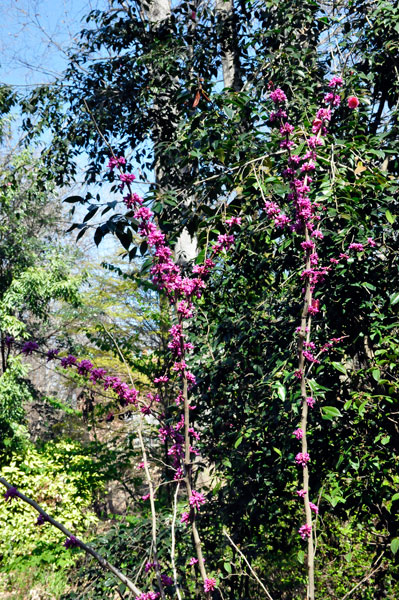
(376, 373)
(81, 233)
(98, 236)
(395, 497)
(390, 217)
(227, 567)
(330, 412)
(238, 442)
(72, 199)
(301, 556)
(281, 391)
(394, 298)
(395, 545)
(277, 450)
(339, 366)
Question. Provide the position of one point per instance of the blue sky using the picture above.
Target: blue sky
(34, 35)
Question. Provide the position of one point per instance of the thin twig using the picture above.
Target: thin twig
(364, 578)
(147, 476)
(249, 566)
(172, 548)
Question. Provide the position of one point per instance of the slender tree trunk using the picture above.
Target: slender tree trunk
(186, 246)
(228, 44)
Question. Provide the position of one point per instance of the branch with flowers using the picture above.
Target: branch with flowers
(302, 220)
(182, 291)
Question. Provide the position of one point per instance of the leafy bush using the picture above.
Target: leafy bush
(60, 478)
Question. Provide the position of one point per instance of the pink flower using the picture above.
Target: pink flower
(286, 129)
(371, 242)
(316, 125)
(127, 177)
(233, 221)
(185, 518)
(336, 82)
(314, 308)
(302, 458)
(196, 499)
(301, 493)
(314, 507)
(209, 584)
(193, 561)
(309, 166)
(278, 96)
(333, 99)
(324, 114)
(353, 102)
(356, 247)
(310, 401)
(305, 531)
(161, 379)
(146, 497)
(298, 433)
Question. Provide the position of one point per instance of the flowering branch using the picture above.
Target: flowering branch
(305, 222)
(71, 540)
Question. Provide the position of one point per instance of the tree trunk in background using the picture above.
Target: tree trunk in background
(186, 246)
(228, 45)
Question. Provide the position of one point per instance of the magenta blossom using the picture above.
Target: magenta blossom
(356, 247)
(196, 499)
(298, 433)
(209, 584)
(302, 458)
(278, 96)
(185, 518)
(353, 102)
(305, 531)
(335, 82)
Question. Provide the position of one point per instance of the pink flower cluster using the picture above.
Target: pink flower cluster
(116, 162)
(209, 584)
(305, 531)
(126, 395)
(196, 499)
(302, 458)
